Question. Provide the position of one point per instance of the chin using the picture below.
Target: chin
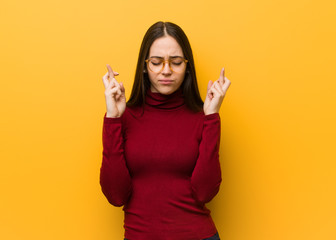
(166, 91)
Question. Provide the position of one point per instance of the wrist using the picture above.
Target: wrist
(210, 111)
(111, 115)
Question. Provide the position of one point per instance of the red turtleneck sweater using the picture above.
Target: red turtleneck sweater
(163, 166)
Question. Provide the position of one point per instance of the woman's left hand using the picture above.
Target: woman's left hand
(216, 94)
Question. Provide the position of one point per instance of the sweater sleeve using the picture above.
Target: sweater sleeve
(115, 180)
(206, 177)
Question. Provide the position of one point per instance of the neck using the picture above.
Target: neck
(162, 101)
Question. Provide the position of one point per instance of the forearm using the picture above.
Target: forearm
(115, 179)
(206, 177)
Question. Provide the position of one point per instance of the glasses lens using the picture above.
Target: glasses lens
(176, 64)
(155, 64)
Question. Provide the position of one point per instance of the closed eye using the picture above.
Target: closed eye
(156, 63)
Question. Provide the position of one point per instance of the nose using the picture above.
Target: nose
(166, 68)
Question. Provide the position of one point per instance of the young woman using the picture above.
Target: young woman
(160, 149)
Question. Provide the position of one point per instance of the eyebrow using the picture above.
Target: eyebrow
(163, 57)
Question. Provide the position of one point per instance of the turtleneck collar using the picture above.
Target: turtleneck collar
(161, 101)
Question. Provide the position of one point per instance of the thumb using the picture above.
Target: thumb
(122, 88)
(209, 85)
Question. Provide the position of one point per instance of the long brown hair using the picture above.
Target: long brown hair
(141, 80)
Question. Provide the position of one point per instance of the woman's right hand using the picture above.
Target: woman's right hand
(114, 94)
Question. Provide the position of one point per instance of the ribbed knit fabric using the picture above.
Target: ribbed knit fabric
(163, 166)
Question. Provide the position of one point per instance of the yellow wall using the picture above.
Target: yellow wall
(278, 118)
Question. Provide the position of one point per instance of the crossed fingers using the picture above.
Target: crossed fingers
(111, 83)
(222, 84)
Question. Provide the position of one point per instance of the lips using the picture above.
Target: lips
(165, 81)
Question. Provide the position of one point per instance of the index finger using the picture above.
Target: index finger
(222, 76)
(110, 71)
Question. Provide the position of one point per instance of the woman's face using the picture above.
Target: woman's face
(167, 81)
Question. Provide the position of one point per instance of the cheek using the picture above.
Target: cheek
(181, 77)
(152, 77)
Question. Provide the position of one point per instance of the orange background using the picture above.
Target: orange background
(278, 118)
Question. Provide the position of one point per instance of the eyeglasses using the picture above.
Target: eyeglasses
(176, 64)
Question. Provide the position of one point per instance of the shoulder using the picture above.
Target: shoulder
(131, 114)
(197, 115)
(203, 119)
